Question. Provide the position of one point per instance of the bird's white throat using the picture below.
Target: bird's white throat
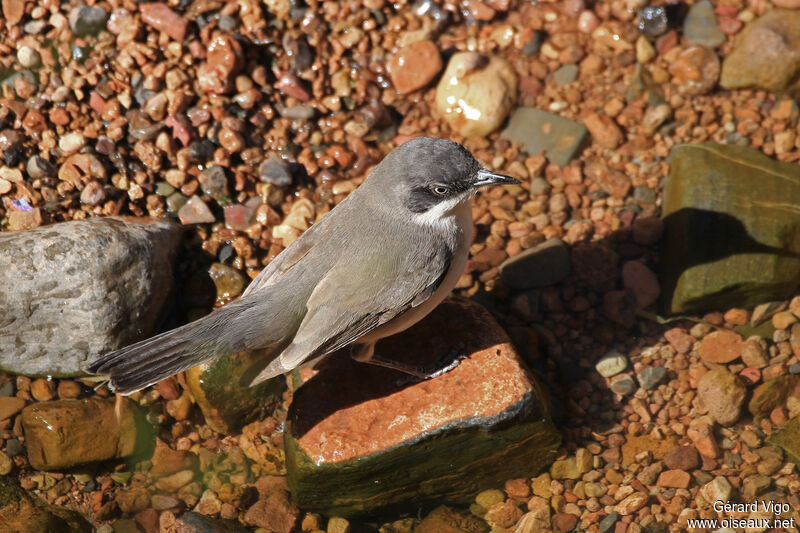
(455, 210)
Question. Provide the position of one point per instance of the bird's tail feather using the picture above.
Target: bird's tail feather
(147, 362)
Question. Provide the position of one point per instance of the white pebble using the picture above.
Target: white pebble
(27, 57)
(71, 142)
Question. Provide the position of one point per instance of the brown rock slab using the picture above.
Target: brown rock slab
(721, 346)
(415, 65)
(360, 438)
(10, 405)
(788, 438)
(676, 479)
(682, 458)
(21, 512)
(66, 433)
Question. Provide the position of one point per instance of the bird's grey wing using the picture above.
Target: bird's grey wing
(355, 298)
(288, 257)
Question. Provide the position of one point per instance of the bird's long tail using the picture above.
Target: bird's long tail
(147, 362)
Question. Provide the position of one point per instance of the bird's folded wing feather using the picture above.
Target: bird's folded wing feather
(355, 298)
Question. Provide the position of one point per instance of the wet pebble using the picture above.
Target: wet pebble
(415, 65)
(27, 57)
(611, 364)
(700, 25)
(275, 171)
(195, 211)
(87, 20)
(651, 376)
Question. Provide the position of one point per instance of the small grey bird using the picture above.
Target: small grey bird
(376, 264)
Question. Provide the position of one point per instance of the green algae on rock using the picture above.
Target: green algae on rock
(359, 439)
(21, 512)
(66, 433)
(788, 438)
(732, 231)
(222, 390)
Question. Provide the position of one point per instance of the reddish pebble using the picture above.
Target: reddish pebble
(721, 347)
(750, 376)
(482, 11)
(604, 130)
(415, 65)
(729, 25)
(182, 129)
(676, 479)
(588, 22)
(96, 102)
(679, 339)
(666, 41)
(162, 18)
(778, 417)
(642, 282)
(563, 522)
(289, 85)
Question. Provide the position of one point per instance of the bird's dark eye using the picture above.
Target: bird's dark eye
(441, 190)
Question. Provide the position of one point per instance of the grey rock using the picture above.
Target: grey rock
(87, 20)
(538, 130)
(543, 265)
(622, 384)
(608, 523)
(214, 182)
(38, 167)
(700, 26)
(73, 291)
(175, 201)
(275, 171)
(540, 185)
(651, 376)
(565, 75)
(611, 364)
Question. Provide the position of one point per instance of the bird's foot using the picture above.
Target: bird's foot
(415, 374)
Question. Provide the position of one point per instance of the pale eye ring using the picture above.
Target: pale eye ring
(441, 190)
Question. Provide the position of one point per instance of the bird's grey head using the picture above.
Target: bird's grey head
(426, 173)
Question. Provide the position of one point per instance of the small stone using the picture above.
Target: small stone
(273, 512)
(766, 311)
(723, 395)
(503, 514)
(161, 17)
(68, 389)
(209, 504)
(43, 390)
(275, 171)
(700, 25)
(656, 20)
(677, 479)
(223, 62)
(632, 503)
(71, 142)
(228, 281)
(608, 523)
(93, 193)
(444, 519)
(651, 376)
(87, 20)
(133, 500)
(476, 93)
(696, 70)
(679, 339)
(415, 65)
(622, 384)
(162, 502)
(783, 320)
(754, 353)
(644, 50)
(174, 482)
(701, 432)
(565, 75)
(195, 211)
(538, 130)
(682, 458)
(214, 182)
(721, 346)
(718, 489)
(642, 282)
(9, 406)
(63, 433)
(564, 522)
(542, 265)
(604, 130)
(27, 57)
(490, 497)
(611, 364)
(39, 167)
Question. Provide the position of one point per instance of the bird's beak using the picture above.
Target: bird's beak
(487, 177)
